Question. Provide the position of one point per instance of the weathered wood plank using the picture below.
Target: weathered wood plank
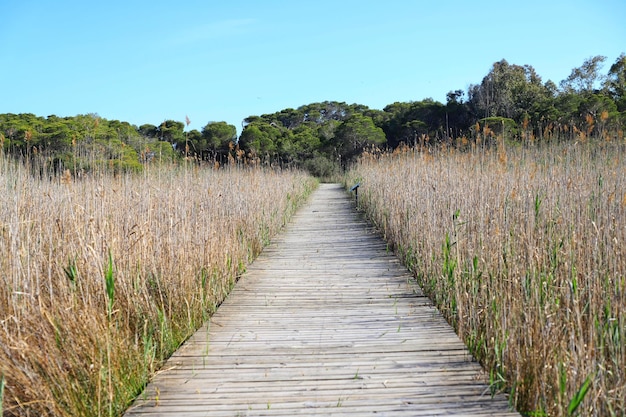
(325, 322)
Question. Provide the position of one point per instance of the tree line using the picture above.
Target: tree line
(511, 100)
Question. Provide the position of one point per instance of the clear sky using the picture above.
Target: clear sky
(223, 60)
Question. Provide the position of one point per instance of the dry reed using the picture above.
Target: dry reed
(103, 277)
(524, 250)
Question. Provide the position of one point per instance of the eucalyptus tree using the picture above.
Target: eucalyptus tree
(509, 91)
(615, 82)
(586, 78)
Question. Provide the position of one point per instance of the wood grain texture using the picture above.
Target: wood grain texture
(325, 322)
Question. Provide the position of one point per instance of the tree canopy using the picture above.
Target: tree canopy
(317, 136)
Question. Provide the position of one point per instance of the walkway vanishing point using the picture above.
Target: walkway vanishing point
(324, 322)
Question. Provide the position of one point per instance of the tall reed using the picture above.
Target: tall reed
(104, 276)
(524, 250)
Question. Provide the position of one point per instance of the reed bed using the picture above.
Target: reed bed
(105, 276)
(523, 249)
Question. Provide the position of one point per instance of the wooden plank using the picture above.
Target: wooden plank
(325, 322)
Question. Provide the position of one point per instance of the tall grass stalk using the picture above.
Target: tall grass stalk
(1, 393)
(169, 243)
(526, 256)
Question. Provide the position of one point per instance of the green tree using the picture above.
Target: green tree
(584, 78)
(123, 131)
(355, 134)
(458, 117)
(509, 91)
(172, 131)
(159, 152)
(119, 157)
(615, 82)
(56, 137)
(148, 130)
(21, 132)
(260, 139)
(195, 142)
(394, 126)
(289, 118)
(326, 132)
(217, 138)
(306, 140)
(407, 122)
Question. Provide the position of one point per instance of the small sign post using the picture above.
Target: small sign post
(355, 188)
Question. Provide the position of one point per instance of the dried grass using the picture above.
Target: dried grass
(103, 277)
(524, 250)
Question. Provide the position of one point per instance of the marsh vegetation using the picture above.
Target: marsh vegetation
(103, 277)
(523, 249)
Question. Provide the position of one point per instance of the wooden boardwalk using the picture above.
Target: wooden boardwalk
(325, 322)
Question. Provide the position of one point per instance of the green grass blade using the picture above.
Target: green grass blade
(579, 396)
(109, 279)
(1, 392)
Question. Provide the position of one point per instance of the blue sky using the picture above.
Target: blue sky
(148, 61)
